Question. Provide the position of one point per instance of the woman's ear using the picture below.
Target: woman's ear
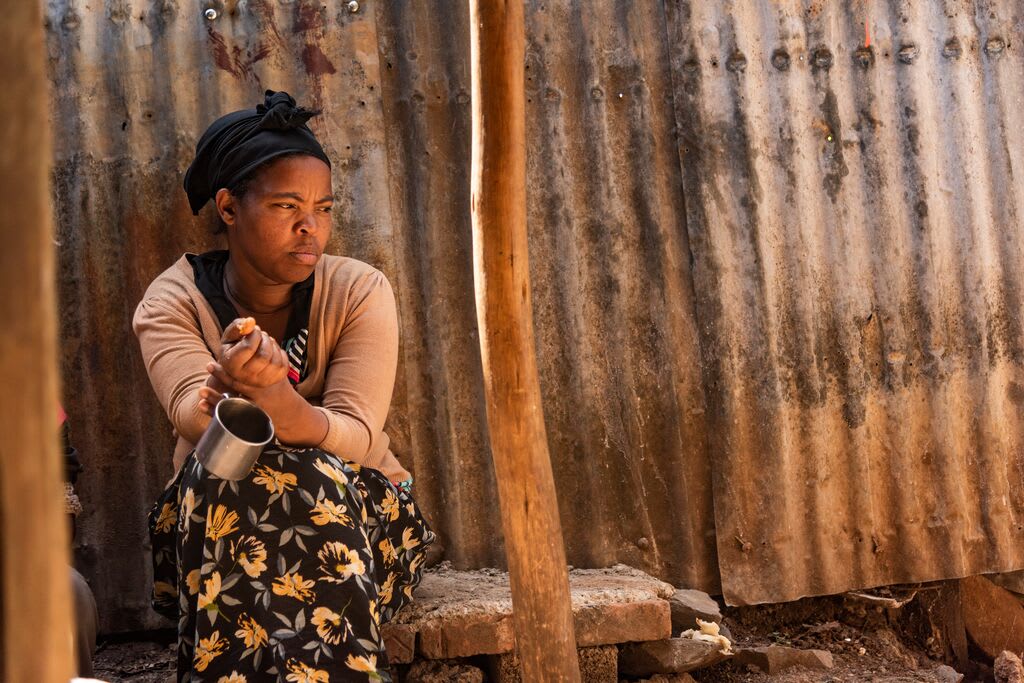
(226, 204)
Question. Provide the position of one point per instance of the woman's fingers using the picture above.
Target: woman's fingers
(238, 328)
(238, 354)
(225, 379)
(269, 366)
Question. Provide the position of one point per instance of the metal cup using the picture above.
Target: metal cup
(235, 438)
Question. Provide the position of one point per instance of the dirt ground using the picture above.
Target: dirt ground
(865, 647)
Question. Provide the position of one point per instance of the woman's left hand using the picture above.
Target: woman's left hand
(254, 366)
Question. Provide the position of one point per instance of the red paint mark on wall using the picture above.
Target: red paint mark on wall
(237, 62)
(316, 62)
(308, 17)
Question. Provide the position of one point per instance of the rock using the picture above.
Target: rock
(466, 635)
(443, 672)
(400, 642)
(597, 665)
(774, 658)
(689, 605)
(947, 674)
(1008, 668)
(622, 622)
(674, 655)
(467, 613)
(671, 678)
(993, 616)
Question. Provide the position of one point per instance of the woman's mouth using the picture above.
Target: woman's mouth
(306, 258)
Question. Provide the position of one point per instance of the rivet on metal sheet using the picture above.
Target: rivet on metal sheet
(864, 57)
(737, 62)
(822, 58)
(353, 7)
(908, 53)
(780, 60)
(952, 49)
(994, 46)
(210, 13)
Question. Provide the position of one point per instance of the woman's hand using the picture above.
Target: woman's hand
(249, 358)
(250, 363)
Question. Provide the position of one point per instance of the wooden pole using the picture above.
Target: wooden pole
(36, 582)
(526, 490)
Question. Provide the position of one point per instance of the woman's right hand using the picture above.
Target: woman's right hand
(249, 358)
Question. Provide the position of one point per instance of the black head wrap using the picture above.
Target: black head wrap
(235, 144)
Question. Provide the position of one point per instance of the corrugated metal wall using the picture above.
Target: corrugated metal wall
(776, 272)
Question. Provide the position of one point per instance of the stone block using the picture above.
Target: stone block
(1008, 668)
(622, 622)
(466, 635)
(669, 678)
(434, 671)
(466, 613)
(670, 656)
(597, 665)
(690, 605)
(774, 659)
(947, 674)
(400, 642)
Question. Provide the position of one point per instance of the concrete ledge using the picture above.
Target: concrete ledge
(466, 613)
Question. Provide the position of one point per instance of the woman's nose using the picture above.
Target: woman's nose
(307, 222)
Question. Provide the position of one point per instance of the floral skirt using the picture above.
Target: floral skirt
(287, 574)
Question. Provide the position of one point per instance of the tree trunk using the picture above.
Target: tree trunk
(37, 623)
(533, 537)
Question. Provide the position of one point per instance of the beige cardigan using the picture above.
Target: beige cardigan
(352, 354)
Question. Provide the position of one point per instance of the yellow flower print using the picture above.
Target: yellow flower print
(209, 649)
(209, 597)
(388, 551)
(374, 614)
(332, 473)
(192, 579)
(302, 673)
(188, 503)
(361, 663)
(408, 542)
(168, 516)
(220, 523)
(388, 588)
(294, 586)
(276, 482)
(163, 588)
(251, 553)
(339, 562)
(389, 506)
(326, 512)
(251, 632)
(330, 626)
(235, 677)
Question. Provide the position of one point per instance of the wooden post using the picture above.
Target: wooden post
(533, 535)
(33, 527)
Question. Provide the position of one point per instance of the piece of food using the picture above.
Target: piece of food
(246, 326)
(709, 632)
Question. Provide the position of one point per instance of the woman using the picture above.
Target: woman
(289, 573)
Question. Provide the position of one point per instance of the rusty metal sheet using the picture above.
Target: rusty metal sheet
(133, 84)
(854, 200)
(775, 272)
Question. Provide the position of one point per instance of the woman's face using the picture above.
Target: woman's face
(280, 226)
